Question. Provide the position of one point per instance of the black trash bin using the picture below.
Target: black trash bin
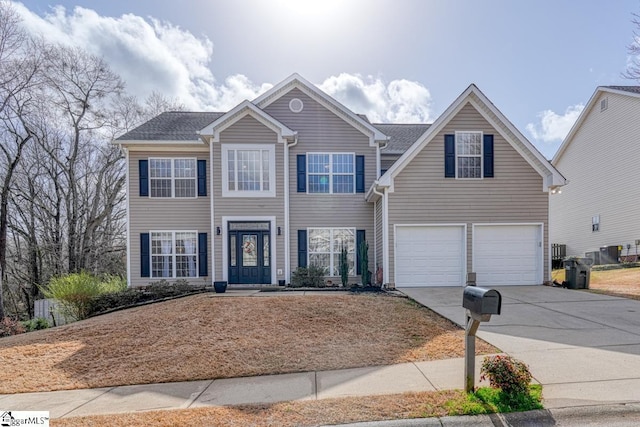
(577, 272)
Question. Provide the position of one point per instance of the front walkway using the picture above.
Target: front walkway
(400, 378)
(584, 348)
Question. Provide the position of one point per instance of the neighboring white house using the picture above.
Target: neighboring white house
(600, 158)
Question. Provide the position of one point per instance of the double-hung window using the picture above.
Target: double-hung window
(331, 173)
(248, 170)
(172, 177)
(469, 154)
(174, 254)
(325, 246)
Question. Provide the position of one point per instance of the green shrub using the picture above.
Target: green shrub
(10, 327)
(363, 251)
(312, 276)
(76, 291)
(506, 373)
(344, 266)
(133, 296)
(36, 324)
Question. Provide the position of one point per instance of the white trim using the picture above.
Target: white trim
(173, 178)
(583, 116)
(431, 225)
(375, 241)
(298, 82)
(385, 236)
(224, 150)
(481, 155)
(169, 148)
(128, 193)
(272, 238)
(541, 243)
(331, 173)
(212, 216)
(287, 243)
(550, 174)
(240, 111)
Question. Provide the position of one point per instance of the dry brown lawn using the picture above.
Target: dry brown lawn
(203, 337)
(287, 414)
(624, 282)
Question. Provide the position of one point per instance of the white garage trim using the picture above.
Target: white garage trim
(526, 263)
(461, 261)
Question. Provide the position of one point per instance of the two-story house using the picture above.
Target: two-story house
(596, 209)
(288, 179)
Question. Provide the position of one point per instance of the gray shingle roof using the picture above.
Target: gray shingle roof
(632, 89)
(402, 136)
(172, 126)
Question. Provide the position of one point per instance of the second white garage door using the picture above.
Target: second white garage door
(429, 255)
(507, 254)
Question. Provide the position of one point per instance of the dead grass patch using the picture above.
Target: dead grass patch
(624, 282)
(286, 414)
(202, 337)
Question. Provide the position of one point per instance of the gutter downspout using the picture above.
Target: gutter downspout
(287, 239)
(385, 233)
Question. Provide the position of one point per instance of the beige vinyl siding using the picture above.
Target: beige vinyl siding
(378, 236)
(423, 196)
(248, 130)
(600, 163)
(320, 130)
(164, 214)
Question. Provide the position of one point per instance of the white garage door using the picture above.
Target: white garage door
(507, 254)
(429, 256)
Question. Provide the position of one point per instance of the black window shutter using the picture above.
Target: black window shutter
(302, 173)
(302, 248)
(202, 178)
(359, 174)
(143, 172)
(360, 237)
(145, 260)
(488, 156)
(449, 156)
(203, 267)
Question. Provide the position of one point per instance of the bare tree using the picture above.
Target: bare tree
(19, 74)
(80, 86)
(633, 68)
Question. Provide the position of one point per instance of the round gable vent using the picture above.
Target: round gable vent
(296, 105)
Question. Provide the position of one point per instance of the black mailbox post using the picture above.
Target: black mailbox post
(480, 304)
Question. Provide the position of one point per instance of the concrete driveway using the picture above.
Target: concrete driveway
(582, 347)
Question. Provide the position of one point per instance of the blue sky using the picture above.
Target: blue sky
(394, 60)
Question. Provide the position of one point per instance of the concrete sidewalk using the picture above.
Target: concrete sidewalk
(584, 348)
(400, 378)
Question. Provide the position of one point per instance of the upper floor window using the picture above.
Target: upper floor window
(174, 254)
(248, 170)
(468, 154)
(331, 173)
(172, 177)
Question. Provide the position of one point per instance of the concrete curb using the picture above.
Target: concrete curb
(619, 415)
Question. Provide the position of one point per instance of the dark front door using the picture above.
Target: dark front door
(249, 256)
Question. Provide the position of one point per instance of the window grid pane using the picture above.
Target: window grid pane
(331, 173)
(172, 177)
(325, 245)
(469, 154)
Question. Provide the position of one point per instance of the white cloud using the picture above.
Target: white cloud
(399, 101)
(152, 55)
(554, 127)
